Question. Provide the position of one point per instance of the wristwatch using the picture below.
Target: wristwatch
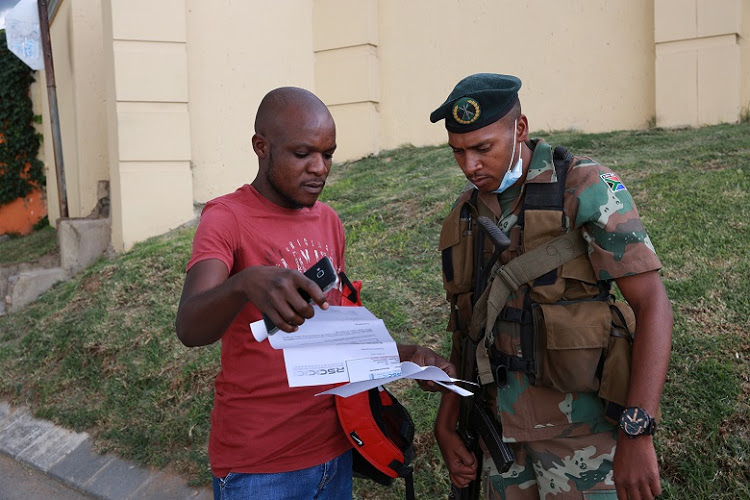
(635, 421)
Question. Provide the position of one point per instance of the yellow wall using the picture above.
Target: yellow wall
(159, 97)
(76, 38)
(348, 74)
(583, 67)
(148, 118)
(699, 77)
(237, 52)
(744, 42)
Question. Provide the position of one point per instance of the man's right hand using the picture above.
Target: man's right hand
(275, 291)
(211, 299)
(461, 463)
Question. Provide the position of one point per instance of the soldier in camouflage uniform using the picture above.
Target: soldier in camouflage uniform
(564, 446)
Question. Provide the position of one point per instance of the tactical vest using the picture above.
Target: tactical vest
(566, 323)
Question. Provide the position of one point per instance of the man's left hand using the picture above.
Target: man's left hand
(424, 356)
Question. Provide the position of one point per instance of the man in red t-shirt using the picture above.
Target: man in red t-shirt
(250, 249)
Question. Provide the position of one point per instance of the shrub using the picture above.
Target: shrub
(20, 169)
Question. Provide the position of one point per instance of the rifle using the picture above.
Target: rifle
(475, 418)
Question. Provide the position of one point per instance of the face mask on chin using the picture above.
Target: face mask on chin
(514, 172)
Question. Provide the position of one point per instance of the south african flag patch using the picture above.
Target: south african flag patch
(614, 182)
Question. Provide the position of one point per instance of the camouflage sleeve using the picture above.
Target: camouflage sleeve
(603, 209)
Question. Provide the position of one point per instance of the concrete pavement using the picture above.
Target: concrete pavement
(67, 458)
(21, 482)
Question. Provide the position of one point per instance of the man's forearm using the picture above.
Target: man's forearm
(203, 317)
(653, 338)
(447, 416)
(651, 351)
(636, 469)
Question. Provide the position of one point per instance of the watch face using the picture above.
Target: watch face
(634, 421)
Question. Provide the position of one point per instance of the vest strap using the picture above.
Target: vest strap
(484, 367)
(507, 279)
(503, 363)
(515, 315)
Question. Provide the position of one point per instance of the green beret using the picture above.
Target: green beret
(477, 101)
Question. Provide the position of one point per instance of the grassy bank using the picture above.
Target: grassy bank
(16, 249)
(98, 353)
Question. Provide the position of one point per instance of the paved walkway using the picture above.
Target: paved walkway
(68, 457)
(21, 482)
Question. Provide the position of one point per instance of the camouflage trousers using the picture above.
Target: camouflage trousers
(556, 469)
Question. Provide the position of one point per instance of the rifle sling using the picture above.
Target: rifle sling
(507, 279)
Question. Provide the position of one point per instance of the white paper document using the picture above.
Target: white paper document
(318, 352)
(312, 335)
(346, 344)
(407, 369)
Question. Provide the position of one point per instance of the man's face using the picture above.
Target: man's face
(484, 154)
(299, 158)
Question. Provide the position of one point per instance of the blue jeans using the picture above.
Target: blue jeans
(329, 481)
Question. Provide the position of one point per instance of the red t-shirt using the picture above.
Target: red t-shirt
(259, 423)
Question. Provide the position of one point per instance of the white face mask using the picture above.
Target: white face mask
(514, 172)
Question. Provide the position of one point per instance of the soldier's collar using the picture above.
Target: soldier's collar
(541, 163)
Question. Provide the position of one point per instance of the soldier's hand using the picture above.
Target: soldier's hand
(461, 463)
(636, 471)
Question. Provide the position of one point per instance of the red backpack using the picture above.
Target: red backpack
(382, 434)
(379, 428)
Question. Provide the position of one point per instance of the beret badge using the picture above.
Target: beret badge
(466, 111)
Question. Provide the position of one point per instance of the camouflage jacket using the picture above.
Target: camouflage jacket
(597, 204)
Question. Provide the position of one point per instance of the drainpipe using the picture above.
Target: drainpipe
(49, 71)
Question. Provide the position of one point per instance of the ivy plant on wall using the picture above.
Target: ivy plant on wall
(20, 169)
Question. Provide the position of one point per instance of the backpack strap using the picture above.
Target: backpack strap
(409, 480)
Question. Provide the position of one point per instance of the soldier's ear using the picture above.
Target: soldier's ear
(523, 127)
(260, 145)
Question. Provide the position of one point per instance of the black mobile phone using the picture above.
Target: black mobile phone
(323, 274)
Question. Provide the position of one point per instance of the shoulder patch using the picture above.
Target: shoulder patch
(614, 182)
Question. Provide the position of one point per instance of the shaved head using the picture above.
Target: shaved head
(279, 100)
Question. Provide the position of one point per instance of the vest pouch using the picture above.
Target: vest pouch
(569, 340)
(616, 369)
(457, 248)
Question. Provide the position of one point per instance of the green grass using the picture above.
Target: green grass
(17, 249)
(98, 353)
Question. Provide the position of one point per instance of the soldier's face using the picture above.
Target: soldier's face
(484, 154)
